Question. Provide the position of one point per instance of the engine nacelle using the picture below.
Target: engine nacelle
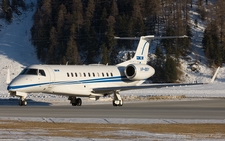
(139, 71)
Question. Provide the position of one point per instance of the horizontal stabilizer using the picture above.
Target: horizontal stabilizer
(150, 37)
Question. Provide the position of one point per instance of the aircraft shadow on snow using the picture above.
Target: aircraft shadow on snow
(14, 102)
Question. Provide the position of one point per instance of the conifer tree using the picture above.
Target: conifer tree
(90, 10)
(114, 9)
(171, 72)
(60, 18)
(72, 55)
(52, 50)
(159, 75)
(46, 8)
(14, 4)
(105, 56)
(5, 5)
(77, 14)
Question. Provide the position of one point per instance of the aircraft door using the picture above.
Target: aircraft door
(42, 78)
(50, 76)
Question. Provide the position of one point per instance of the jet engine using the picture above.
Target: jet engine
(139, 71)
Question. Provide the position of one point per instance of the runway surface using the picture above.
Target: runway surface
(195, 109)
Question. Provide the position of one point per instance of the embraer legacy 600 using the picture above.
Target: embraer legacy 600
(91, 81)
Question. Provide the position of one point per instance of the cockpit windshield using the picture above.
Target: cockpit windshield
(30, 71)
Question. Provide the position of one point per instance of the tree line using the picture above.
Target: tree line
(82, 31)
(214, 34)
(9, 7)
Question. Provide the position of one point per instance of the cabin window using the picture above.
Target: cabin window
(72, 74)
(84, 75)
(107, 74)
(111, 74)
(75, 74)
(103, 74)
(42, 72)
(32, 72)
(89, 74)
(68, 74)
(93, 74)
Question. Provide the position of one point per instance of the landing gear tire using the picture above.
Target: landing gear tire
(75, 101)
(79, 102)
(114, 104)
(22, 102)
(117, 102)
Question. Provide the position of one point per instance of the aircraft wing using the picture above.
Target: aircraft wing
(145, 86)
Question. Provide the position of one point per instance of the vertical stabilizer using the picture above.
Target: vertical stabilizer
(141, 55)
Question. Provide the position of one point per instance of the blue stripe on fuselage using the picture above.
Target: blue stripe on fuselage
(97, 80)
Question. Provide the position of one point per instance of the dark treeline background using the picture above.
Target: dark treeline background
(68, 30)
(82, 31)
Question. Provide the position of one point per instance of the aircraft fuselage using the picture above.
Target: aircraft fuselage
(76, 80)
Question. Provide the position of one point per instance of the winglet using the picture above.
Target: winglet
(8, 76)
(215, 74)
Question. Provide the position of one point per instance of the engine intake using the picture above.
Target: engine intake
(138, 71)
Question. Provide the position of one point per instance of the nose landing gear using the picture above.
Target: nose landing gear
(22, 95)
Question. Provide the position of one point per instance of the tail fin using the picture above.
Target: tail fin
(141, 55)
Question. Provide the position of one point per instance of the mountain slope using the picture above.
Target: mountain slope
(16, 50)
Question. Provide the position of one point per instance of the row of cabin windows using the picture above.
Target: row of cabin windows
(89, 74)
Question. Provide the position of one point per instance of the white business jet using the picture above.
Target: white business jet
(91, 81)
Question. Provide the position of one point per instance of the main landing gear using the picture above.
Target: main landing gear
(117, 100)
(22, 101)
(75, 101)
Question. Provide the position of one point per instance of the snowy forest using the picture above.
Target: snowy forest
(82, 31)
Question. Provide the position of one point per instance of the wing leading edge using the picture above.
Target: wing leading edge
(146, 86)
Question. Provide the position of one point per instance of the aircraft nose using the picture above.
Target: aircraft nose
(10, 86)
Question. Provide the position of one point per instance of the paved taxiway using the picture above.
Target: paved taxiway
(194, 109)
